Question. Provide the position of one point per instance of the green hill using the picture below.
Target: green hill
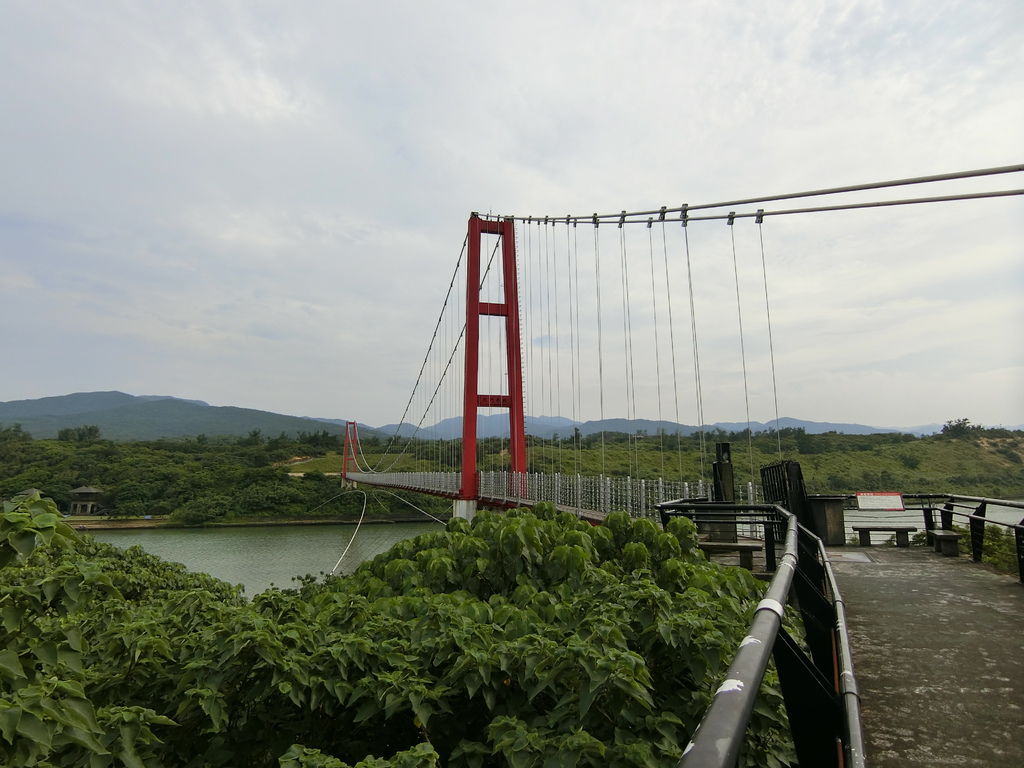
(120, 416)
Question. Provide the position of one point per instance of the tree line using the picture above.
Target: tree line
(193, 480)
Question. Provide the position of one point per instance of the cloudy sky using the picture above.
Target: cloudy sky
(260, 203)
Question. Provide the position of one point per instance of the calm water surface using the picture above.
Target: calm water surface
(259, 557)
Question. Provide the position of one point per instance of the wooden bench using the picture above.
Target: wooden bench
(946, 542)
(902, 533)
(745, 548)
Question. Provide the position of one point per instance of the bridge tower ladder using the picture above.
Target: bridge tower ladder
(465, 504)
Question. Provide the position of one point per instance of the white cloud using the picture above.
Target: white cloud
(262, 205)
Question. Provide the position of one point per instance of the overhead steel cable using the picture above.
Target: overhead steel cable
(600, 341)
(696, 356)
(672, 344)
(627, 332)
(657, 346)
(771, 343)
(361, 516)
(447, 367)
(940, 177)
(577, 355)
(573, 306)
(743, 351)
(430, 348)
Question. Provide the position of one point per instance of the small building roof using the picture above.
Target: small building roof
(86, 489)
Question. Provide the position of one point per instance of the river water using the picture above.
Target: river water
(258, 557)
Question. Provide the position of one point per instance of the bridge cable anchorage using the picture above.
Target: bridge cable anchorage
(639, 217)
(768, 313)
(743, 349)
(672, 345)
(698, 394)
(657, 346)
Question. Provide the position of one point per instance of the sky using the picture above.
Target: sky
(261, 203)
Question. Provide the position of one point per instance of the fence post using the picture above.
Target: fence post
(977, 528)
(1018, 535)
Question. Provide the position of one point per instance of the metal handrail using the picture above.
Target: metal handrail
(976, 521)
(809, 691)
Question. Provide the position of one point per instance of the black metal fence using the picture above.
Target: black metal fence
(818, 685)
(942, 511)
(971, 511)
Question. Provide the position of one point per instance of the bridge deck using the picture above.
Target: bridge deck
(938, 649)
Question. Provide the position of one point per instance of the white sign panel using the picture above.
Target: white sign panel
(886, 501)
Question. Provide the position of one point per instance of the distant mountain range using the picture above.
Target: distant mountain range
(496, 425)
(149, 417)
(127, 417)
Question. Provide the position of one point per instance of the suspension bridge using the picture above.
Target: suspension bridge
(548, 318)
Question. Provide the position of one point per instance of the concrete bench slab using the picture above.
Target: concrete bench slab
(902, 533)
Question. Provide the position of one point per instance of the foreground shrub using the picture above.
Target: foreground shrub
(520, 639)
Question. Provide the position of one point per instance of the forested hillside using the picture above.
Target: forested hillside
(238, 478)
(196, 480)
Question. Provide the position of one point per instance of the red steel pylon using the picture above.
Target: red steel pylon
(509, 309)
(349, 449)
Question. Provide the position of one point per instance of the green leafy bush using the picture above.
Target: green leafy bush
(520, 639)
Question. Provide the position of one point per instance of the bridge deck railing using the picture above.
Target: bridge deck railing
(582, 493)
(436, 483)
(819, 687)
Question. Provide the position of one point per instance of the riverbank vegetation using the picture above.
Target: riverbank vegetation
(236, 479)
(520, 639)
(193, 481)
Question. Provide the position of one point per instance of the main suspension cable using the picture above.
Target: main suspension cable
(430, 347)
(444, 373)
(637, 217)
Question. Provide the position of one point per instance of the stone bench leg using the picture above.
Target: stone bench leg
(949, 547)
(865, 538)
(747, 559)
(902, 539)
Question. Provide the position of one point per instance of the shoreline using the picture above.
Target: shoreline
(137, 524)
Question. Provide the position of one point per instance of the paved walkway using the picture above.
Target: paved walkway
(938, 650)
